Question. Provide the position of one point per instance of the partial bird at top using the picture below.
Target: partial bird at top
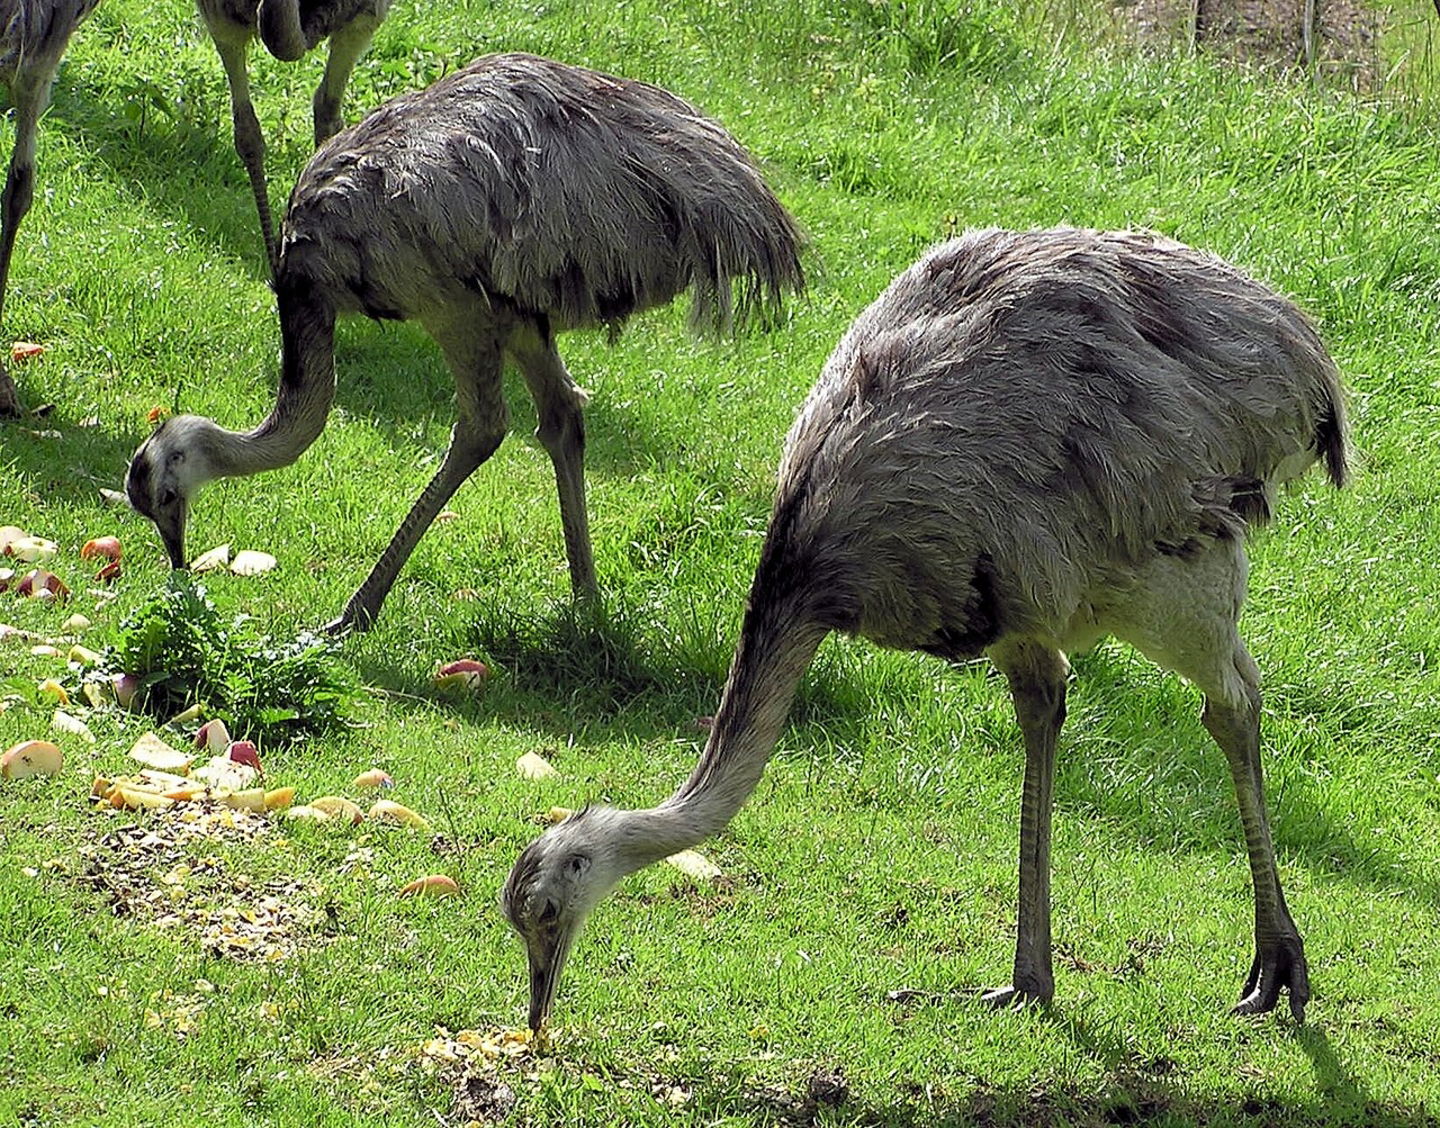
(510, 201)
(288, 29)
(33, 37)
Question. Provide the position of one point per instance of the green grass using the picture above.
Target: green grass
(878, 853)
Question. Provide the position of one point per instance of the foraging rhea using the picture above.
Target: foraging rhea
(1029, 441)
(288, 29)
(512, 200)
(33, 37)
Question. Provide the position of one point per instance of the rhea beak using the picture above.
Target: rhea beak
(547, 954)
(170, 522)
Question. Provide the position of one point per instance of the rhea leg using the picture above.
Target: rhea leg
(31, 93)
(561, 431)
(1184, 616)
(232, 44)
(347, 44)
(477, 433)
(1037, 685)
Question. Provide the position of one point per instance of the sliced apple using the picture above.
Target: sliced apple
(464, 674)
(64, 722)
(434, 885)
(251, 562)
(134, 799)
(153, 752)
(694, 864)
(41, 584)
(31, 758)
(244, 752)
(532, 766)
(386, 811)
(212, 561)
(252, 800)
(101, 548)
(76, 624)
(32, 550)
(9, 534)
(83, 656)
(226, 774)
(279, 798)
(338, 808)
(558, 814)
(307, 814)
(54, 690)
(373, 778)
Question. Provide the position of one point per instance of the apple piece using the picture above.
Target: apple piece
(153, 752)
(464, 674)
(41, 584)
(531, 766)
(188, 714)
(557, 814)
(83, 656)
(31, 758)
(44, 650)
(212, 561)
(127, 797)
(252, 800)
(213, 737)
(101, 548)
(223, 773)
(694, 864)
(9, 534)
(251, 562)
(373, 778)
(126, 687)
(434, 885)
(100, 787)
(32, 550)
(76, 624)
(53, 689)
(307, 814)
(279, 798)
(64, 722)
(336, 807)
(386, 811)
(244, 752)
(109, 573)
(22, 351)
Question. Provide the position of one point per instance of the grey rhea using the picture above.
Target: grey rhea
(33, 37)
(513, 200)
(1029, 441)
(288, 29)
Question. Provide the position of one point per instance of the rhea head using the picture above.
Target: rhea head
(166, 472)
(555, 883)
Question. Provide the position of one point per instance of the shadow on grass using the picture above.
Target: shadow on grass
(1134, 1090)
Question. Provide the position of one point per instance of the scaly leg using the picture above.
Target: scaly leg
(347, 44)
(232, 46)
(31, 94)
(479, 430)
(1279, 952)
(561, 431)
(1037, 685)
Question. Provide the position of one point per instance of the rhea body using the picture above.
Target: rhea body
(513, 200)
(288, 29)
(1028, 442)
(33, 37)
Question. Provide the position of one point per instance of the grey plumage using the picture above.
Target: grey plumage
(1029, 441)
(33, 37)
(511, 200)
(288, 29)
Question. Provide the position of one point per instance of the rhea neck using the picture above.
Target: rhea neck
(775, 649)
(303, 398)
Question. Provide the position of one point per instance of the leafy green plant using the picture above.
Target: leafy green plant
(184, 653)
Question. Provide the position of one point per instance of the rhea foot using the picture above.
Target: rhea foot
(1279, 964)
(1012, 996)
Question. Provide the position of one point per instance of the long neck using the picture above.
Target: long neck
(303, 399)
(776, 646)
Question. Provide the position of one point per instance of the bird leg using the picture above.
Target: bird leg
(561, 431)
(249, 142)
(1037, 687)
(1279, 952)
(30, 93)
(347, 44)
(474, 438)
